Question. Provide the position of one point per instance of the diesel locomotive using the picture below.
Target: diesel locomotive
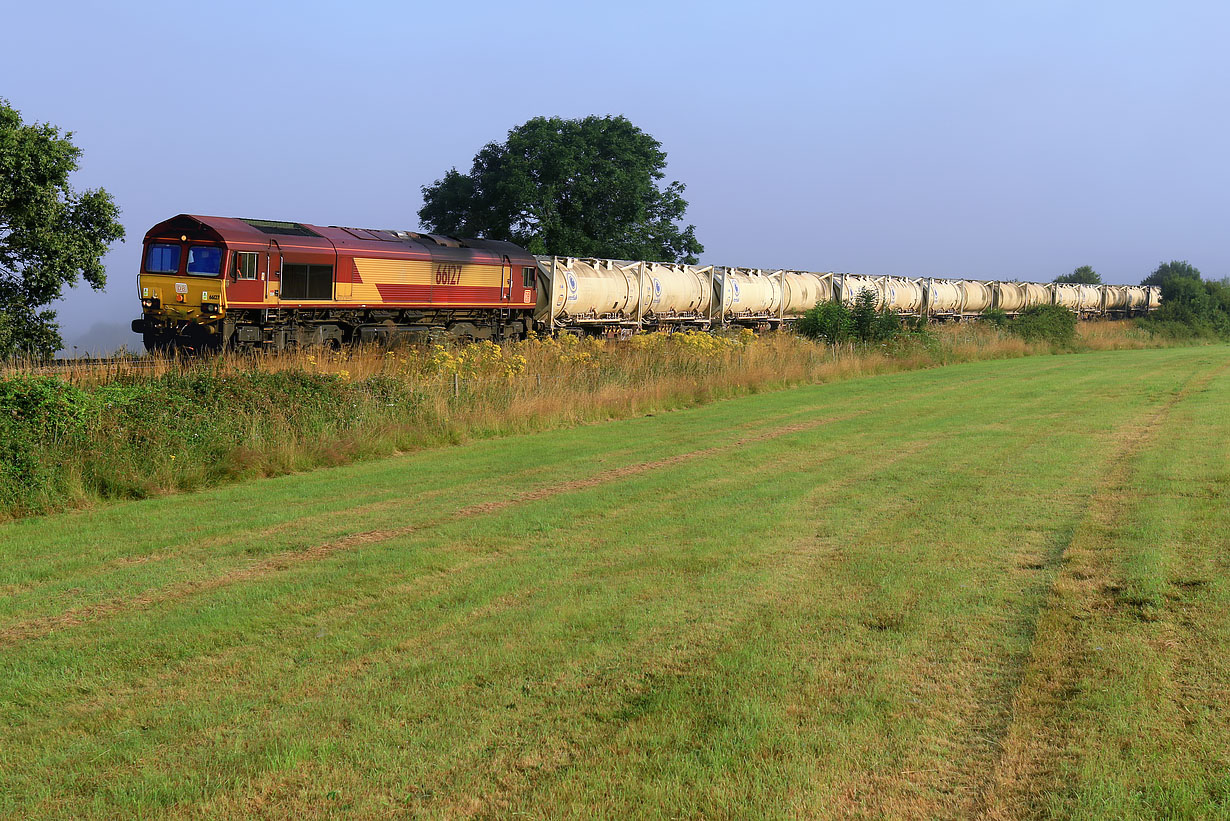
(213, 282)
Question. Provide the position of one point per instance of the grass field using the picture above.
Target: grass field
(997, 589)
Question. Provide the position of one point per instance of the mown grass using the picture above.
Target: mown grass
(146, 427)
(835, 601)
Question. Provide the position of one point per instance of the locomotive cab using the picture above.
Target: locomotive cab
(181, 285)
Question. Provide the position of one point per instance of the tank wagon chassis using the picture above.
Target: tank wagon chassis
(212, 282)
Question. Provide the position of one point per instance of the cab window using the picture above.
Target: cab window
(204, 261)
(162, 259)
(245, 265)
(527, 277)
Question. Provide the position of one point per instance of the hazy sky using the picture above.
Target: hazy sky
(984, 139)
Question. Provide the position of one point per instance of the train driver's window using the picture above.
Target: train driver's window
(527, 277)
(245, 265)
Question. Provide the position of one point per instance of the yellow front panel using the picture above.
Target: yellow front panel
(181, 296)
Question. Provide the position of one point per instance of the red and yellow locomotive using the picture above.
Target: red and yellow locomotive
(212, 282)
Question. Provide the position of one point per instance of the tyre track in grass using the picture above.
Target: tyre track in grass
(255, 537)
(656, 652)
(671, 659)
(1079, 596)
(201, 546)
(36, 628)
(915, 790)
(19, 632)
(664, 657)
(663, 653)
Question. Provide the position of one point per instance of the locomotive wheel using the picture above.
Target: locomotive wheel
(157, 343)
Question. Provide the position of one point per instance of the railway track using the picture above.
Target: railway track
(60, 366)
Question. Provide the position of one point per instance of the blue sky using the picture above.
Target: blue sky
(982, 139)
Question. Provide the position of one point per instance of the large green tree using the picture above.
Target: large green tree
(587, 188)
(1174, 268)
(50, 236)
(1084, 275)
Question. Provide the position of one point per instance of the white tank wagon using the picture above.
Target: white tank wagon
(1010, 297)
(1036, 294)
(1114, 298)
(1089, 299)
(849, 286)
(584, 291)
(944, 298)
(1134, 298)
(1014, 297)
(976, 295)
(1153, 299)
(958, 298)
(904, 295)
(802, 291)
(1068, 296)
(678, 294)
(764, 299)
(749, 295)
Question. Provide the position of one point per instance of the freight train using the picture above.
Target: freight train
(208, 283)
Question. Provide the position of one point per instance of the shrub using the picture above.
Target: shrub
(996, 316)
(1045, 323)
(1191, 308)
(888, 325)
(863, 315)
(834, 323)
(828, 322)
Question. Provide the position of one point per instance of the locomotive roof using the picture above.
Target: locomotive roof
(238, 230)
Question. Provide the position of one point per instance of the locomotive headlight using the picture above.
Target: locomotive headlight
(209, 307)
(152, 303)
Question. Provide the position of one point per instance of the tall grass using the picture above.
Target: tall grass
(150, 425)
